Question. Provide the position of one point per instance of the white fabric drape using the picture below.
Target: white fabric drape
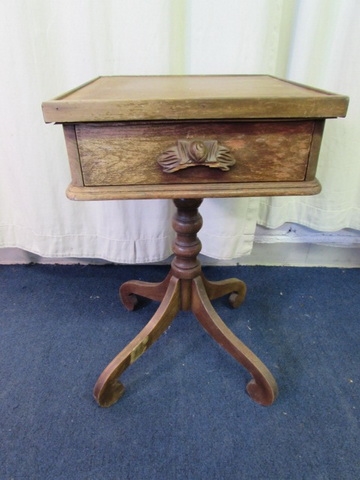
(325, 52)
(48, 47)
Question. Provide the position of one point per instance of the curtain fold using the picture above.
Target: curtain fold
(325, 53)
(48, 47)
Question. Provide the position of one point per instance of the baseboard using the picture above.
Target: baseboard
(294, 233)
(276, 254)
(298, 255)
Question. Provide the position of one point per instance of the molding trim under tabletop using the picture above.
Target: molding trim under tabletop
(172, 191)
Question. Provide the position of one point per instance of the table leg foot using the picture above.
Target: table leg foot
(262, 388)
(154, 291)
(233, 286)
(108, 388)
(263, 391)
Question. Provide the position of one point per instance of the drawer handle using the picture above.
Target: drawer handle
(195, 153)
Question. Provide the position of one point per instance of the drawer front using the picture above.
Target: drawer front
(115, 154)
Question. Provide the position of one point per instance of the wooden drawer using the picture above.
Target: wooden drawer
(126, 153)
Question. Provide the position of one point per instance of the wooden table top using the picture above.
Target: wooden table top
(125, 98)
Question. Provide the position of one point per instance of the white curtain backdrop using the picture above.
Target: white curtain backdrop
(325, 52)
(50, 46)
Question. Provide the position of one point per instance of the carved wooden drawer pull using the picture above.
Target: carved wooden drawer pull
(196, 153)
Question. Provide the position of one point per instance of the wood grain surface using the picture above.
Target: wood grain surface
(116, 98)
(126, 153)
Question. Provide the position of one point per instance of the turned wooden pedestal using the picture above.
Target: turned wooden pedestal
(185, 288)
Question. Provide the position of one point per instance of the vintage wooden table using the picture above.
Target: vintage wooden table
(187, 138)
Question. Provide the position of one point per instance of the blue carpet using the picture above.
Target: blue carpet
(185, 413)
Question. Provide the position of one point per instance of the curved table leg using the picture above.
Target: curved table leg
(108, 388)
(234, 286)
(262, 388)
(153, 291)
